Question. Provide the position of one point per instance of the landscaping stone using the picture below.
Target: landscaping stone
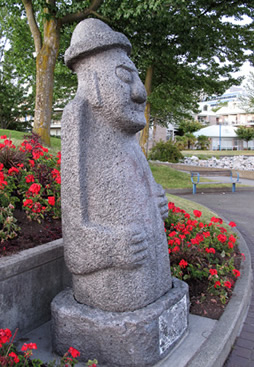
(112, 210)
(244, 163)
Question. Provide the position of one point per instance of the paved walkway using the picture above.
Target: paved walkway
(238, 207)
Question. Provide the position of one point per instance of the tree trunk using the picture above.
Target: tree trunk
(145, 132)
(45, 65)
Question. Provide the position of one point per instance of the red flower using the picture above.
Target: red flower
(35, 188)
(183, 264)
(213, 271)
(14, 356)
(197, 213)
(31, 161)
(217, 284)
(12, 170)
(232, 224)
(29, 178)
(5, 336)
(232, 238)
(222, 238)
(74, 352)
(230, 245)
(227, 284)
(51, 200)
(236, 272)
(206, 234)
(216, 220)
(28, 202)
(28, 346)
(3, 137)
(176, 249)
(210, 250)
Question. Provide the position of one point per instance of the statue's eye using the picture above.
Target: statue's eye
(124, 74)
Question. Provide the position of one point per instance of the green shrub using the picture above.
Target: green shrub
(165, 152)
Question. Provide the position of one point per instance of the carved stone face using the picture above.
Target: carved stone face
(120, 95)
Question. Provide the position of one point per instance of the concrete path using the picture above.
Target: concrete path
(237, 207)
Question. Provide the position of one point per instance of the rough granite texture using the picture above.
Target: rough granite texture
(128, 339)
(113, 210)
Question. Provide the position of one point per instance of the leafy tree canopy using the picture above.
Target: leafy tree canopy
(191, 45)
(188, 126)
(245, 133)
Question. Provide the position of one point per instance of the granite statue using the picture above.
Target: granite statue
(113, 210)
(124, 308)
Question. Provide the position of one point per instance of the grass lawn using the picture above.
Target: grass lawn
(170, 178)
(18, 136)
(205, 154)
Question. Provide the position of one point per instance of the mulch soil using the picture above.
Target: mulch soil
(34, 234)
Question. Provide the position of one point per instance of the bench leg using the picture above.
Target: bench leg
(194, 189)
(233, 187)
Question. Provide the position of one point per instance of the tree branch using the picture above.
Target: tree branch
(75, 17)
(33, 25)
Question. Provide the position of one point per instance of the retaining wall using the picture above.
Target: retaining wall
(29, 281)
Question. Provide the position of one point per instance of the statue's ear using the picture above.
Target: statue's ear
(95, 95)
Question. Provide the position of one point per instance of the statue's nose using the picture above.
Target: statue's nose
(138, 92)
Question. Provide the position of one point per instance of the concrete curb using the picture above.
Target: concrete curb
(215, 350)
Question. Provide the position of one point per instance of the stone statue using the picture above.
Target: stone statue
(113, 210)
(124, 308)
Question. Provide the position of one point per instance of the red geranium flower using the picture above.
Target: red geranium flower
(183, 264)
(28, 346)
(14, 356)
(29, 178)
(35, 188)
(236, 272)
(213, 271)
(217, 284)
(227, 284)
(3, 137)
(197, 213)
(210, 250)
(222, 238)
(51, 200)
(12, 170)
(232, 224)
(74, 352)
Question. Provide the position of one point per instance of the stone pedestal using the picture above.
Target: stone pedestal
(121, 339)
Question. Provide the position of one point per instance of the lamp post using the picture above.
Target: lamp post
(220, 136)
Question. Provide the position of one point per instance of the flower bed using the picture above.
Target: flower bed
(205, 255)
(29, 181)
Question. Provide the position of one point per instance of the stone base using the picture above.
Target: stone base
(121, 339)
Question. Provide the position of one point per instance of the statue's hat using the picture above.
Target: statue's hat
(92, 36)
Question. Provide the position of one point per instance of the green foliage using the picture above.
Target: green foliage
(203, 142)
(245, 133)
(187, 141)
(8, 224)
(188, 126)
(248, 99)
(165, 152)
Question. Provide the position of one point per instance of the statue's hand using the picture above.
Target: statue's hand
(131, 250)
(162, 202)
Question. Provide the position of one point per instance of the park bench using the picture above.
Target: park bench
(195, 178)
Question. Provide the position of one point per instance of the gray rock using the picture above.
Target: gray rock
(113, 210)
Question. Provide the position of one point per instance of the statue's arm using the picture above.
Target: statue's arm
(90, 248)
